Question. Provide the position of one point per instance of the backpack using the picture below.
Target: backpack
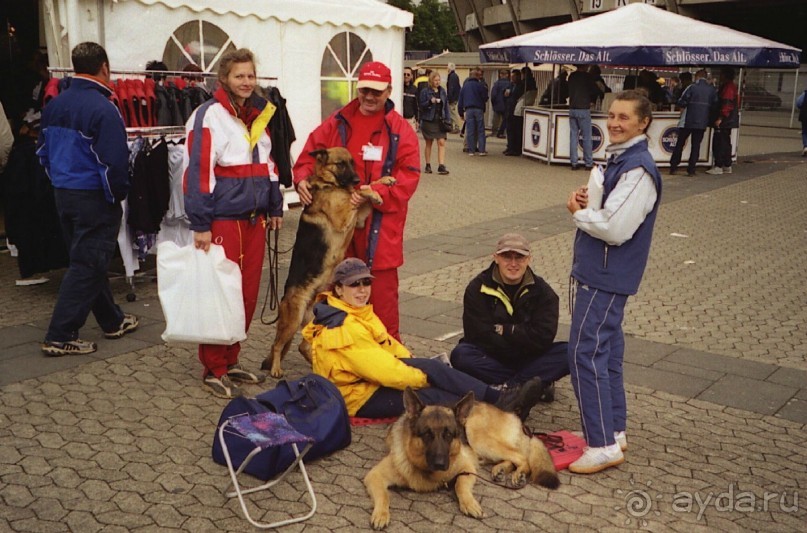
(311, 404)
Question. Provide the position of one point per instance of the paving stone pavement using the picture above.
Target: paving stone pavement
(715, 366)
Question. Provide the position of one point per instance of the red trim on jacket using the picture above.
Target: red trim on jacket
(254, 170)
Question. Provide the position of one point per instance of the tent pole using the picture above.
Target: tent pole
(795, 95)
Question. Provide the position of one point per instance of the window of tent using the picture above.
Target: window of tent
(196, 42)
(341, 61)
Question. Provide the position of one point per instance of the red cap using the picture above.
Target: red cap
(374, 75)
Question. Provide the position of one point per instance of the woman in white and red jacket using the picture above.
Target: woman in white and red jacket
(232, 193)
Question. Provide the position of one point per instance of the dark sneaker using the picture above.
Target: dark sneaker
(548, 394)
(222, 387)
(441, 169)
(238, 374)
(427, 169)
(521, 398)
(76, 347)
(128, 325)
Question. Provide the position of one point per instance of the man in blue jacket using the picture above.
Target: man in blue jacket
(453, 90)
(82, 146)
(697, 100)
(471, 106)
(498, 101)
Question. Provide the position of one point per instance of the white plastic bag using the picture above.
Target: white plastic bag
(200, 294)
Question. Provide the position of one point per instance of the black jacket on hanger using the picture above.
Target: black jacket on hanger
(281, 132)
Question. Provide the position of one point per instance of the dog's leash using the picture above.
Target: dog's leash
(274, 275)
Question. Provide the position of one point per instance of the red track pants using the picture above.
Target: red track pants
(243, 243)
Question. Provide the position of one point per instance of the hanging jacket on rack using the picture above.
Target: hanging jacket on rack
(281, 131)
(150, 192)
(32, 223)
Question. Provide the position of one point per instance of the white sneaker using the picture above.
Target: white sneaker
(715, 171)
(621, 439)
(726, 170)
(804, 152)
(31, 281)
(596, 460)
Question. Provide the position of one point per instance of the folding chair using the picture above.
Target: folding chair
(265, 430)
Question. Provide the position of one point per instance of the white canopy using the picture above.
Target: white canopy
(313, 48)
(641, 35)
(333, 12)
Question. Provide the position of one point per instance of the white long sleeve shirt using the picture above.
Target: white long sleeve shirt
(627, 206)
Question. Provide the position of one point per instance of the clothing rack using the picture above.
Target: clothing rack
(151, 131)
(157, 73)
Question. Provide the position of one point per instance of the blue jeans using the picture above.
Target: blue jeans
(580, 120)
(475, 130)
(446, 387)
(90, 228)
(804, 134)
(550, 366)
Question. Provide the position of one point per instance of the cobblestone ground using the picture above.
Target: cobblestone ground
(120, 441)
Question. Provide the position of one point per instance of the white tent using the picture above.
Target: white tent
(642, 35)
(311, 47)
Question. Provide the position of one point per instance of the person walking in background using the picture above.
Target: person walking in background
(498, 101)
(515, 122)
(614, 220)
(433, 114)
(471, 106)
(410, 99)
(685, 80)
(582, 93)
(231, 188)
(696, 103)
(453, 89)
(509, 320)
(802, 106)
(728, 118)
(82, 146)
(382, 144)
(557, 91)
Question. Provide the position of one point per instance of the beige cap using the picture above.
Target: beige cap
(513, 242)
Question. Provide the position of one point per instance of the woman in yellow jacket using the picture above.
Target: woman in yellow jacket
(351, 347)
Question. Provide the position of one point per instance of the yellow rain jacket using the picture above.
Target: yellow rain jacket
(351, 347)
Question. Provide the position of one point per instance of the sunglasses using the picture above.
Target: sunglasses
(366, 282)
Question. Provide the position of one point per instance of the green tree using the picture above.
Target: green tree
(434, 26)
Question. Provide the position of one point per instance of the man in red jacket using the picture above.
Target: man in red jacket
(382, 144)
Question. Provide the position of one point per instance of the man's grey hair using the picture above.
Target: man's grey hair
(451, 66)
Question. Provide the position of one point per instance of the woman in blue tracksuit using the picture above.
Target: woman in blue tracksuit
(614, 218)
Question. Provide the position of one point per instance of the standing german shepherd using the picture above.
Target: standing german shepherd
(433, 446)
(323, 234)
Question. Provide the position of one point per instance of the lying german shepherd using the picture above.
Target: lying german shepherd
(433, 446)
(323, 234)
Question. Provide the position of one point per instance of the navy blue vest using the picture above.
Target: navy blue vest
(618, 269)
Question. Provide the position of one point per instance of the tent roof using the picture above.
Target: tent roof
(640, 34)
(460, 59)
(369, 13)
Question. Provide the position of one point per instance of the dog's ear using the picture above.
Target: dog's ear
(463, 407)
(320, 155)
(412, 404)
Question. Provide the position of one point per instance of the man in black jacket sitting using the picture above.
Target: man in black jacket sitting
(510, 318)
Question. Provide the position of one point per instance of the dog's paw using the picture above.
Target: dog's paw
(498, 474)
(274, 370)
(388, 180)
(471, 508)
(380, 518)
(518, 480)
